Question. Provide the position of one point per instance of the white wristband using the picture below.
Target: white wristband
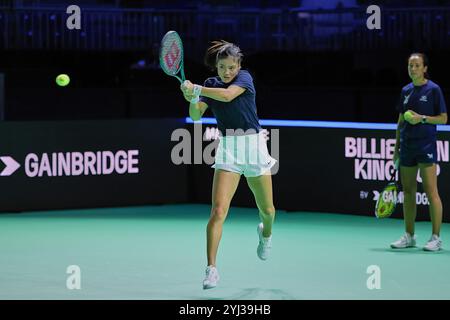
(195, 100)
(196, 90)
(196, 94)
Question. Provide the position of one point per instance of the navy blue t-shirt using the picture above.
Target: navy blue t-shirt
(426, 100)
(240, 113)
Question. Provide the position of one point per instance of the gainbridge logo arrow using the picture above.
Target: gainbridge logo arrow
(11, 166)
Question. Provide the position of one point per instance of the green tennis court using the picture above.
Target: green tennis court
(158, 252)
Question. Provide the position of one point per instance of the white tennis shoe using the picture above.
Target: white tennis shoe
(406, 241)
(264, 245)
(434, 244)
(211, 278)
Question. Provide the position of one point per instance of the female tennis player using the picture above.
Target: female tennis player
(416, 148)
(242, 147)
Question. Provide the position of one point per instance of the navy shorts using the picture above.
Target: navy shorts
(415, 151)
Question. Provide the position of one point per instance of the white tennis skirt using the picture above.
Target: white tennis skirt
(245, 154)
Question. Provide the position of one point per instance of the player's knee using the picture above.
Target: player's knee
(409, 191)
(218, 212)
(433, 196)
(269, 211)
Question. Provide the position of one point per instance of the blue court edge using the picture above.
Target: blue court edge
(320, 124)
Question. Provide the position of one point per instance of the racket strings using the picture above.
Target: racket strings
(171, 53)
(387, 201)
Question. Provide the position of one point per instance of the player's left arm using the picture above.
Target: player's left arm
(439, 119)
(440, 110)
(440, 116)
(221, 94)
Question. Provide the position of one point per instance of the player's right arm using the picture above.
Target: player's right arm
(397, 137)
(196, 110)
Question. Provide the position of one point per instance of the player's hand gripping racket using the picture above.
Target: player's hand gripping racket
(387, 199)
(171, 55)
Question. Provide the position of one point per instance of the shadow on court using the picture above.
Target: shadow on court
(414, 250)
(253, 293)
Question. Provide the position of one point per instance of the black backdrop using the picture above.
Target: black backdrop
(158, 181)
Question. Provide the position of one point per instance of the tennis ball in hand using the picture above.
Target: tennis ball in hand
(408, 116)
(62, 80)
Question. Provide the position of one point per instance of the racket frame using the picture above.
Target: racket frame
(181, 65)
(392, 182)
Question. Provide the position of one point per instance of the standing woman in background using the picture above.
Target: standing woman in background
(421, 108)
(231, 97)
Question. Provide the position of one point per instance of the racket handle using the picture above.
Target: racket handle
(397, 164)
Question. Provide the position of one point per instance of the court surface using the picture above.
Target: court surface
(158, 252)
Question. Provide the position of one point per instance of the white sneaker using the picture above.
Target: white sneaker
(265, 244)
(434, 244)
(406, 241)
(212, 277)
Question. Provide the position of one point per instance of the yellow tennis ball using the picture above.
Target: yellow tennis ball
(408, 116)
(62, 80)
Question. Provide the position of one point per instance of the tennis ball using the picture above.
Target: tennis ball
(62, 80)
(408, 116)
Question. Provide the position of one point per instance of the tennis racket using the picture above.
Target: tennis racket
(171, 55)
(387, 199)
